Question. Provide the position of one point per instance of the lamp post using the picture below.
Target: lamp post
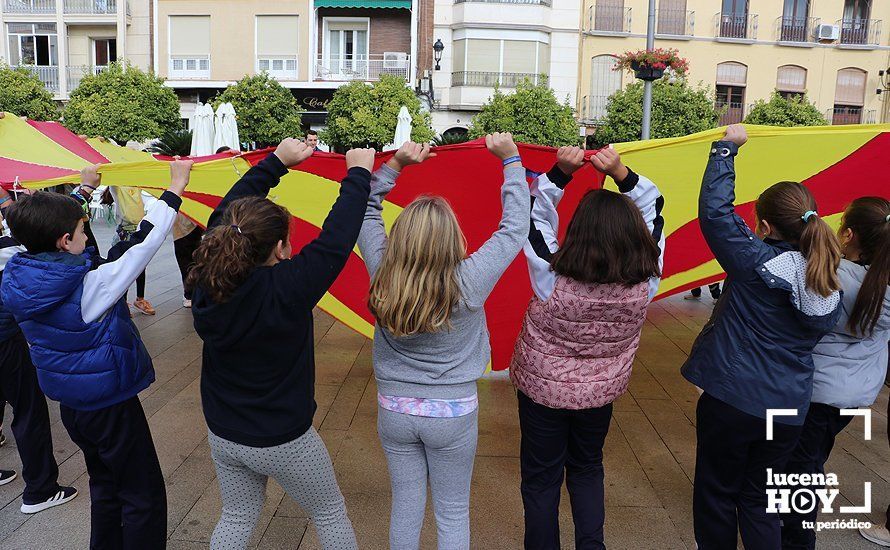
(438, 48)
(647, 85)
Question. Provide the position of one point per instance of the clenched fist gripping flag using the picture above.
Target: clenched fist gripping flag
(837, 163)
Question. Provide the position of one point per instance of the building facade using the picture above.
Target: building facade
(500, 42)
(310, 46)
(744, 49)
(63, 40)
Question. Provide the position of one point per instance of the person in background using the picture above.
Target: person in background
(312, 139)
(129, 211)
(186, 239)
(695, 293)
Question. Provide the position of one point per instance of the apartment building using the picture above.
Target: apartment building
(310, 46)
(63, 40)
(500, 42)
(744, 49)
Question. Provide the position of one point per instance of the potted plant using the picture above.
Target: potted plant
(651, 64)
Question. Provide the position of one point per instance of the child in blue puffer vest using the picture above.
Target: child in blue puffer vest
(89, 355)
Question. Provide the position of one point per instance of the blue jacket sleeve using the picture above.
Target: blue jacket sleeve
(256, 182)
(733, 243)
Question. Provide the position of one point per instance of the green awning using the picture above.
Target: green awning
(397, 4)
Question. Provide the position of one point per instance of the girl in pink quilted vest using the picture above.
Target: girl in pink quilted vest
(579, 337)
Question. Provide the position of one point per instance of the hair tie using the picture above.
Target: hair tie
(809, 214)
(236, 228)
(887, 219)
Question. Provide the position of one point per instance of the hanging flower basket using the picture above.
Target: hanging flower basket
(651, 64)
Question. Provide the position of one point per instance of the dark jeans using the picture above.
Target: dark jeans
(731, 459)
(714, 288)
(30, 420)
(822, 425)
(129, 501)
(185, 250)
(124, 234)
(559, 443)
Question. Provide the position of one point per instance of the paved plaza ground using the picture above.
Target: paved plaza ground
(649, 454)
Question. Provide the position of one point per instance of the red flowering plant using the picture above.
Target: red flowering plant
(659, 58)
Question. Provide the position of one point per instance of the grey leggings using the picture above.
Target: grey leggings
(438, 450)
(303, 469)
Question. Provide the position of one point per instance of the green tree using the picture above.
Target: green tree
(532, 113)
(123, 103)
(267, 111)
(678, 109)
(365, 115)
(778, 111)
(172, 143)
(22, 94)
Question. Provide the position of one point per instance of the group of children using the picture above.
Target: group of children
(804, 317)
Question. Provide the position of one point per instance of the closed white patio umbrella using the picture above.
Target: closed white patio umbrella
(403, 129)
(226, 126)
(202, 131)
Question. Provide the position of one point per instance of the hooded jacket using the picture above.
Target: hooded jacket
(755, 353)
(87, 351)
(258, 367)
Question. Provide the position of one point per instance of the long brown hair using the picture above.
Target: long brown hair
(248, 233)
(607, 241)
(415, 287)
(784, 206)
(869, 219)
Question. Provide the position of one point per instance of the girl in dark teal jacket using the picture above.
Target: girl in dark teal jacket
(755, 353)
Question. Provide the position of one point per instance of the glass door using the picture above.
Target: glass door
(794, 20)
(347, 50)
(105, 52)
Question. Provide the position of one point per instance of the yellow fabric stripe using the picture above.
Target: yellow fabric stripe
(21, 141)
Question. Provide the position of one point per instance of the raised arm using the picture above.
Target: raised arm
(257, 181)
(645, 196)
(547, 190)
(314, 269)
(484, 267)
(731, 240)
(372, 237)
(105, 285)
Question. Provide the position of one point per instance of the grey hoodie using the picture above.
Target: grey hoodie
(850, 369)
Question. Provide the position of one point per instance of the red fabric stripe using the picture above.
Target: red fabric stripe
(10, 168)
(67, 139)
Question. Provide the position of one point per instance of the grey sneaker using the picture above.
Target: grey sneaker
(877, 534)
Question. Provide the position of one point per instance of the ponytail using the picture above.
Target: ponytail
(249, 231)
(869, 220)
(790, 209)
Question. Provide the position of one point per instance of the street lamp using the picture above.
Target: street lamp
(884, 79)
(438, 48)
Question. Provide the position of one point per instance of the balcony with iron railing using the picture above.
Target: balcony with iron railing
(490, 79)
(547, 3)
(92, 7)
(49, 75)
(842, 115)
(797, 30)
(608, 20)
(76, 74)
(860, 32)
(735, 27)
(675, 23)
(29, 7)
(362, 67)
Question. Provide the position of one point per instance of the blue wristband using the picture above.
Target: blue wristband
(4, 199)
(511, 160)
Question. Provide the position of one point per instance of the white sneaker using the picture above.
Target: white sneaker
(877, 534)
(64, 495)
(186, 303)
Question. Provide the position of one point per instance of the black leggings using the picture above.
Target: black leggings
(185, 250)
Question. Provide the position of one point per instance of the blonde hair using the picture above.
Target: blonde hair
(415, 287)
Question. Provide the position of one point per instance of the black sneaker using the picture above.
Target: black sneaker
(64, 495)
(6, 476)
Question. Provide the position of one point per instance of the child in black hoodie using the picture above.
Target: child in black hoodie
(252, 304)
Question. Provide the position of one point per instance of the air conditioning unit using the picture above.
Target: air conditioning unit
(395, 60)
(827, 32)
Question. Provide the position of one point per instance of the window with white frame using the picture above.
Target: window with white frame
(486, 62)
(34, 44)
(345, 48)
(189, 46)
(277, 45)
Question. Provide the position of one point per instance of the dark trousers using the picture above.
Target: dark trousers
(822, 425)
(731, 459)
(185, 250)
(129, 501)
(559, 443)
(30, 420)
